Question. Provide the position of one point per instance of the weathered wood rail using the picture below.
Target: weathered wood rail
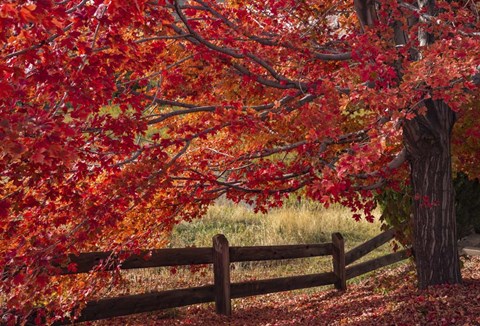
(221, 256)
(373, 264)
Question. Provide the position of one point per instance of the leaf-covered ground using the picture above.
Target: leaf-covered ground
(387, 297)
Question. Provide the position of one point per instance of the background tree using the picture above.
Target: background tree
(119, 119)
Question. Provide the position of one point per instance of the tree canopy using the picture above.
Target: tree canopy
(118, 119)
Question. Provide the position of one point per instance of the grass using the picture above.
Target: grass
(297, 223)
(304, 222)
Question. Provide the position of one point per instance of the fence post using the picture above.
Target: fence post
(221, 275)
(339, 261)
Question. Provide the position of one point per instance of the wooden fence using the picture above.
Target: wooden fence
(222, 291)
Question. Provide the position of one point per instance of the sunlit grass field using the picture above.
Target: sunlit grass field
(302, 222)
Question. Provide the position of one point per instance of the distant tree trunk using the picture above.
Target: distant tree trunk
(427, 139)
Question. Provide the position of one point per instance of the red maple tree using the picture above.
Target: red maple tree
(118, 119)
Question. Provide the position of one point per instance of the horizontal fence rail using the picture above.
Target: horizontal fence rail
(368, 246)
(134, 304)
(247, 289)
(241, 254)
(220, 255)
(371, 265)
(85, 262)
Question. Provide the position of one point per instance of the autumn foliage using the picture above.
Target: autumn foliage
(118, 119)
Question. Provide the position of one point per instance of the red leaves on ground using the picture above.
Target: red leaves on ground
(387, 297)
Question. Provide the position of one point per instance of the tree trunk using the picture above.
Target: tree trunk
(427, 140)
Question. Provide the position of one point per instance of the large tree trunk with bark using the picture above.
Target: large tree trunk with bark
(427, 140)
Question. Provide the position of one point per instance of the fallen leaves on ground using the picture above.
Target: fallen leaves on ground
(386, 297)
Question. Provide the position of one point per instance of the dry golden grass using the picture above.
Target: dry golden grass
(304, 222)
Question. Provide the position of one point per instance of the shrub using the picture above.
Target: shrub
(397, 208)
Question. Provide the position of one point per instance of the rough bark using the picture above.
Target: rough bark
(427, 140)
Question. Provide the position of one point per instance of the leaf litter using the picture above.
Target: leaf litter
(385, 297)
